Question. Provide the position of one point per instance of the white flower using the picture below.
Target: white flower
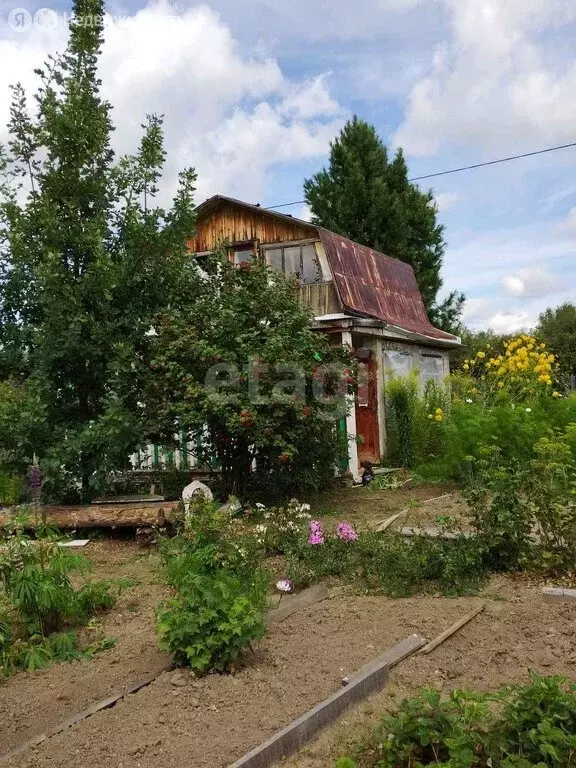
(469, 400)
(284, 585)
(305, 508)
(260, 528)
(528, 410)
(260, 506)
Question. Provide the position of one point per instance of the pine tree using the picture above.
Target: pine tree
(368, 198)
(86, 261)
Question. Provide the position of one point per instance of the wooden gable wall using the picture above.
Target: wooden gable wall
(235, 224)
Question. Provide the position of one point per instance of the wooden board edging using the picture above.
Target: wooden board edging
(369, 680)
(558, 595)
(91, 710)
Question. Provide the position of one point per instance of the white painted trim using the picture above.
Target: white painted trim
(351, 432)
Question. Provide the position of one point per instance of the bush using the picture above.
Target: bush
(520, 727)
(212, 619)
(218, 609)
(39, 604)
(390, 564)
(414, 424)
(525, 512)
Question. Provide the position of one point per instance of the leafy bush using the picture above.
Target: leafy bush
(38, 604)
(389, 564)
(212, 619)
(520, 727)
(525, 512)
(414, 423)
(218, 608)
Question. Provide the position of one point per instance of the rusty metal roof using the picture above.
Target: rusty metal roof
(374, 285)
(368, 283)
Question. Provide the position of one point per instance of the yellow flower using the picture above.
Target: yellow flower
(466, 367)
(500, 385)
(438, 417)
(481, 355)
(430, 415)
(438, 411)
(556, 394)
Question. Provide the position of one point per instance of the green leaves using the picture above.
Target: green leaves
(529, 726)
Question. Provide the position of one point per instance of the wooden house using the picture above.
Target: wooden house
(360, 297)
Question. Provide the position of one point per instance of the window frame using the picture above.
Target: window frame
(265, 247)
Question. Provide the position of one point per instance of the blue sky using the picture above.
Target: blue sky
(254, 91)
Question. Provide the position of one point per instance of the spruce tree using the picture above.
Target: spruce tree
(87, 259)
(367, 197)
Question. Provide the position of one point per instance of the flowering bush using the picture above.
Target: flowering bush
(521, 370)
(278, 526)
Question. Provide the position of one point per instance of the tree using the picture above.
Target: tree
(87, 259)
(241, 366)
(368, 198)
(557, 327)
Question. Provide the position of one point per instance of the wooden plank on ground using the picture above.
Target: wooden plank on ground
(558, 595)
(369, 680)
(452, 629)
(292, 603)
(91, 710)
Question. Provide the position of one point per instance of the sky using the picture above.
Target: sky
(253, 91)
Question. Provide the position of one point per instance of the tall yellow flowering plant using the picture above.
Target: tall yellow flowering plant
(522, 370)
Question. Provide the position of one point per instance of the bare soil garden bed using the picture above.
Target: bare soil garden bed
(211, 721)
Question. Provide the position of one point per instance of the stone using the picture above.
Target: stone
(178, 679)
(196, 490)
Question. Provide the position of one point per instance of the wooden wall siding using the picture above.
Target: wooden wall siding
(235, 224)
(321, 297)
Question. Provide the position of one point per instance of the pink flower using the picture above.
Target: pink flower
(345, 532)
(316, 533)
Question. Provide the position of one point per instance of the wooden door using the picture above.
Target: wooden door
(367, 427)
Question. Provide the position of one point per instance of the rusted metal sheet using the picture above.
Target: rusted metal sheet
(372, 284)
(222, 219)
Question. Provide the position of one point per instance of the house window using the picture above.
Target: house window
(398, 363)
(243, 253)
(300, 260)
(432, 369)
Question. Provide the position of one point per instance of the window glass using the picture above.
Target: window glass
(274, 258)
(242, 254)
(311, 272)
(292, 260)
(432, 368)
(398, 363)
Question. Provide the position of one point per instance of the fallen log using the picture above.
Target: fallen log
(102, 515)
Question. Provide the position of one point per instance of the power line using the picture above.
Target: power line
(459, 170)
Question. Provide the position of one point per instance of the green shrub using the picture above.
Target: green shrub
(530, 726)
(414, 423)
(212, 619)
(390, 564)
(39, 604)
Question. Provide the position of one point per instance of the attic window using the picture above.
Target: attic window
(299, 260)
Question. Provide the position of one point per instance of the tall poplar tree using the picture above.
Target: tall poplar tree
(86, 260)
(367, 197)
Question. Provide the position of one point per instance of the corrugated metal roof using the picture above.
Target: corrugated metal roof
(372, 284)
(368, 283)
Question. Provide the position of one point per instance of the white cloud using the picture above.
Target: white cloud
(229, 112)
(530, 282)
(570, 222)
(446, 200)
(511, 322)
(495, 82)
(483, 313)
